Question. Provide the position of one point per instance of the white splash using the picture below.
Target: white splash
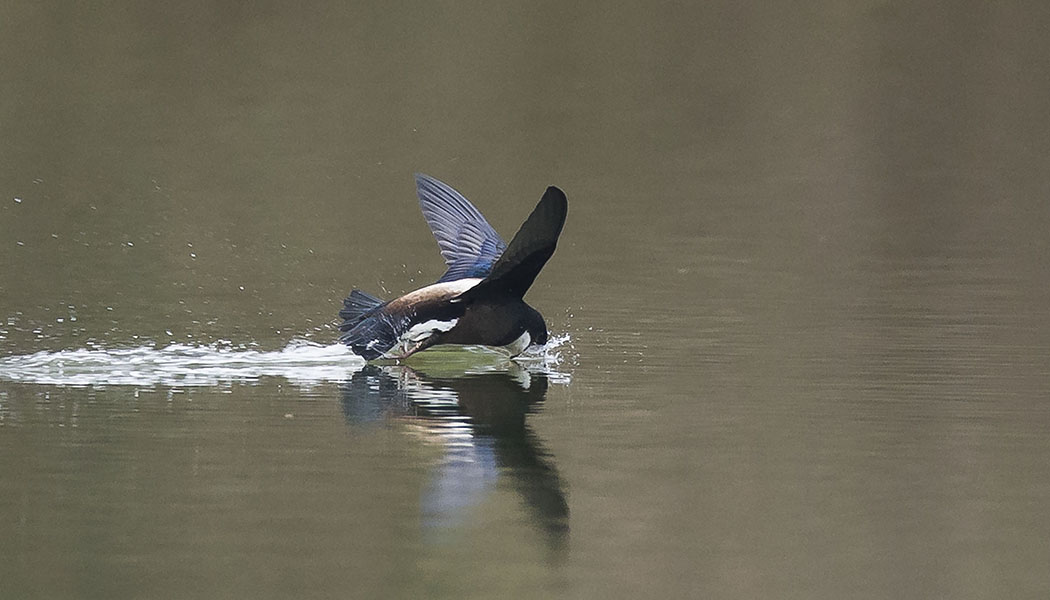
(550, 356)
(299, 362)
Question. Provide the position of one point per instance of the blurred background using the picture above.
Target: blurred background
(803, 281)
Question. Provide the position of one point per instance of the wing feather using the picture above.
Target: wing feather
(469, 245)
(528, 251)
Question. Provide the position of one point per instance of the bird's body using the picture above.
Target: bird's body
(478, 301)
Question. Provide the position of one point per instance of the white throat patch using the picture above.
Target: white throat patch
(519, 345)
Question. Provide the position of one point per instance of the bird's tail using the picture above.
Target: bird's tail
(357, 306)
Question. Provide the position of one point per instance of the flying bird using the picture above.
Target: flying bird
(479, 299)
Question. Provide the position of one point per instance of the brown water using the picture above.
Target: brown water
(801, 301)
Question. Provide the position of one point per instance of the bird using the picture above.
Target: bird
(479, 298)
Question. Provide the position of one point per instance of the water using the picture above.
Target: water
(803, 348)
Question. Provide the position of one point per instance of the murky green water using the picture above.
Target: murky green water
(801, 302)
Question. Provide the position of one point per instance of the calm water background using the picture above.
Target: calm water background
(803, 281)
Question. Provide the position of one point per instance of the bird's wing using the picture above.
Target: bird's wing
(469, 245)
(528, 251)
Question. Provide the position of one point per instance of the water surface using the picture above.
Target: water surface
(800, 302)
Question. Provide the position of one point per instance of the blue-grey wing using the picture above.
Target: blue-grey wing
(469, 245)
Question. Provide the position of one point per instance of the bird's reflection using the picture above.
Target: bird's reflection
(480, 422)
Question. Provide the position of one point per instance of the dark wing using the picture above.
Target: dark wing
(468, 243)
(530, 249)
(375, 334)
(370, 326)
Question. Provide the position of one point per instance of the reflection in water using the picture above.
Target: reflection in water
(480, 421)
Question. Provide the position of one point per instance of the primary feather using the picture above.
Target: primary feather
(469, 245)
